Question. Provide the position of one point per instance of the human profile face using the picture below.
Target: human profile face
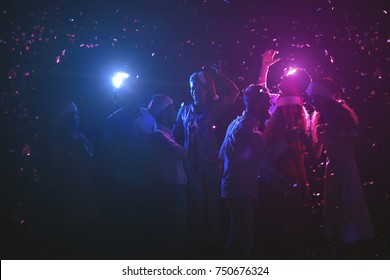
(198, 92)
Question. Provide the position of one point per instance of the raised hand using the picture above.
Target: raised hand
(268, 58)
(267, 61)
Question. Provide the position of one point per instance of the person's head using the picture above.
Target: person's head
(290, 107)
(294, 82)
(257, 101)
(162, 109)
(202, 87)
(289, 113)
(324, 95)
(322, 92)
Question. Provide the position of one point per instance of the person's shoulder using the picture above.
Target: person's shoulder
(237, 124)
(158, 135)
(144, 112)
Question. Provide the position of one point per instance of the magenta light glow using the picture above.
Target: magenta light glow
(291, 71)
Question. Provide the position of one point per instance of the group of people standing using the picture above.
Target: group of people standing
(166, 178)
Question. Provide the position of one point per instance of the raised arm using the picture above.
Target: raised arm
(231, 94)
(267, 61)
(232, 90)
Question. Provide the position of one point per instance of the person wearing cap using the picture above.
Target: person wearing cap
(335, 129)
(288, 188)
(168, 157)
(202, 165)
(243, 153)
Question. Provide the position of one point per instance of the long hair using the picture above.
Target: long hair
(337, 115)
(277, 123)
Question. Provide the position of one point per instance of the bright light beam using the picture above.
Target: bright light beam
(291, 71)
(119, 78)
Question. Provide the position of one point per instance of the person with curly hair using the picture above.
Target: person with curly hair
(336, 130)
(286, 190)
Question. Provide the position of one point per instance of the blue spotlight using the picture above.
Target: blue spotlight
(119, 78)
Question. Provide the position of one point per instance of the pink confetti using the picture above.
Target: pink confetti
(26, 150)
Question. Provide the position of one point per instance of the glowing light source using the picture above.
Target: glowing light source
(291, 71)
(119, 78)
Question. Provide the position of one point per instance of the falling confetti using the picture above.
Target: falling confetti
(60, 49)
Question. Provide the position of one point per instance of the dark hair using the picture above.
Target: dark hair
(329, 83)
(276, 124)
(205, 78)
(338, 115)
(295, 83)
(255, 91)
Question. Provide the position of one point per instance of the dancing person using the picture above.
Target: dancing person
(168, 157)
(202, 165)
(287, 190)
(336, 130)
(243, 154)
(129, 188)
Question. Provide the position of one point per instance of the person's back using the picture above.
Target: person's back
(243, 154)
(335, 128)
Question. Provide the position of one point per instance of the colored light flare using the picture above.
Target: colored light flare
(119, 78)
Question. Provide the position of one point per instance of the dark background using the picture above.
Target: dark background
(69, 49)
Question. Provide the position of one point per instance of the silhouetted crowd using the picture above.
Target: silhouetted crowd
(160, 185)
